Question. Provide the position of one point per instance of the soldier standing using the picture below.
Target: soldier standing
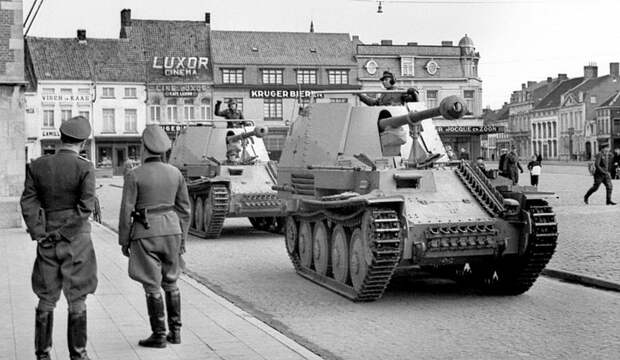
(231, 113)
(153, 224)
(58, 198)
(602, 174)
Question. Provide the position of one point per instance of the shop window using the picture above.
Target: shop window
(431, 98)
(130, 92)
(131, 121)
(133, 153)
(232, 76)
(172, 114)
(189, 113)
(335, 77)
(65, 114)
(205, 109)
(107, 92)
(272, 109)
(306, 76)
(85, 113)
(108, 121)
(48, 118)
(272, 76)
(104, 156)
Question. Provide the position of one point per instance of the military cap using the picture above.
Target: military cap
(155, 139)
(603, 144)
(78, 127)
(387, 74)
(231, 101)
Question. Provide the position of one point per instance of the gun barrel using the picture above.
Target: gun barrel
(451, 107)
(258, 131)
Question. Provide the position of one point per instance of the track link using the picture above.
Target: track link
(384, 237)
(218, 197)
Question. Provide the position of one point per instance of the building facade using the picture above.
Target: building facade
(607, 123)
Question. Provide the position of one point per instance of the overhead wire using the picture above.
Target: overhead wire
(33, 17)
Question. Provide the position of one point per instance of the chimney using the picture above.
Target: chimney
(590, 71)
(208, 18)
(356, 38)
(549, 79)
(446, 43)
(311, 26)
(531, 83)
(81, 36)
(562, 77)
(614, 69)
(412, 43)
(125, 17)
(522, 86)
(386, 42)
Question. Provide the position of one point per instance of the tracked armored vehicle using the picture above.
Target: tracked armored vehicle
(220, 186)
(361, 206)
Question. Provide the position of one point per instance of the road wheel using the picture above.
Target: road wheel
(320, 248)
(358, 265)
(290, 235)
(305, 243)
(340, 254)
(198, 214)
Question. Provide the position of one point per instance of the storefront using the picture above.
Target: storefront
(464, 135)
(112, 153)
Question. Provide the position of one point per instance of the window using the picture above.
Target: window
(239, 102)
(232, 76)
(48, 118)
(84, 91)
(306, 76)
(171, 111)
(104, 156)
(188, 110)
(339, 100)
(85, 113)
(108, 121)
(593, 99)
(469, 101)
(205, 109)
(131, 120)
(130, 92)
(272, 109)
(431, 98)
(66, 92)
(406, 66)
(48, 91)
(107, 92)
(65, 114)
(272, 76)
(337, 77)
(155, 111)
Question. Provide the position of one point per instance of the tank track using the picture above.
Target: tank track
(482, 189)
(221, 199)
(517, 276)
(384, 233)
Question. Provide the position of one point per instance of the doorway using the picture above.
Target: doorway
(119, 160)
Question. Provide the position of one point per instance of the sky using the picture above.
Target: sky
(518, 40)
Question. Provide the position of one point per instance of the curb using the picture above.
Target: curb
(582, 279)
(264, 327)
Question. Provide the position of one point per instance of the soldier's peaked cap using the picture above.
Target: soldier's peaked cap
(231, 101)
(387, 74)
(78, 127)
(155, 139)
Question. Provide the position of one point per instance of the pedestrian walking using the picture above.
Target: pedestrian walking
(58, 199)
(153, 225)
(231, 113)
(535, 169)
(512, 165)
(602, 174)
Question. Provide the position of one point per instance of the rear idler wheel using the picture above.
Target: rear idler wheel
(320, 248)
(340, 254)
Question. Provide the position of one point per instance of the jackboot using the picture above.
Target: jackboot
(43, 326)
(76, 335)
(173, 308)
(157, 318)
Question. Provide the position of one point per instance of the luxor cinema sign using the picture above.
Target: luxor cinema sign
(181, 66)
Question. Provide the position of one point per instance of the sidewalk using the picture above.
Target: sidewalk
(213, 328)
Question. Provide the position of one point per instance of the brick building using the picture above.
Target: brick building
(608, 122)
(12, 84)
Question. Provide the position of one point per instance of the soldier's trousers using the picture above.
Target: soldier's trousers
(605, 180)
(155, 262)
(67, 266)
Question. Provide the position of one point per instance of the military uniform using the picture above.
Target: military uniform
(153, 224)
(388, 99)
(231, 114)
(58, 198)
(602, 174)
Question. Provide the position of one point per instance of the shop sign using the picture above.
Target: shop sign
(281, 94)
(172, 128)
(470, 129)
(180, 65)
(180, 93)
(66, 98)
(50, 133)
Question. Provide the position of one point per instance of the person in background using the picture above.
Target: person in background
(615, 174)
(481, 165)
(535, 169)
(513, 166)
(58, 199)
(602, 174)
(463, 154)
(502, 163)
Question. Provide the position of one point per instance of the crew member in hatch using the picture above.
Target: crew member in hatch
(386, 99)
(231, 113)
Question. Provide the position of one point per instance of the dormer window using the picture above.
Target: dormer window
(254, 49)
(313, 50)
